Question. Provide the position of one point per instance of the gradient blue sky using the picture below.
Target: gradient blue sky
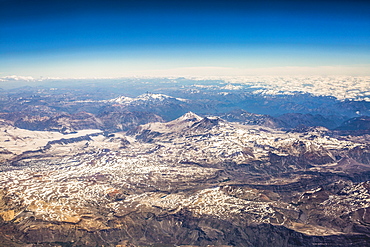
(123, 38)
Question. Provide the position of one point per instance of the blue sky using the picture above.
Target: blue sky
(123, 38)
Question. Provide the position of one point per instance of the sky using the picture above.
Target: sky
(113, 38)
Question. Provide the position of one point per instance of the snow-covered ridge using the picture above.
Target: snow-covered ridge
(174, 126)
(147, 97)
(15, 141)
(209, 136)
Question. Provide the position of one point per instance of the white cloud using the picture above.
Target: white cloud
(17, 78)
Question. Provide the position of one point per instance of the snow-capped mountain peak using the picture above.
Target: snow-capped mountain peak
(190, 116)
(153, 96)
(122, 100)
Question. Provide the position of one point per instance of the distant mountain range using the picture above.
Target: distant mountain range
(124, 113)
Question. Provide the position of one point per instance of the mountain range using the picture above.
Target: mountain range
(204, 168)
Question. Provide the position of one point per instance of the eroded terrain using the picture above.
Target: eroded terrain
(191, 181)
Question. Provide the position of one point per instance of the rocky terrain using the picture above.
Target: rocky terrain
(198, 163)
(192, 181)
